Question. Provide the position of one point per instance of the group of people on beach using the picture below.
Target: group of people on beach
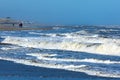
(20, 24)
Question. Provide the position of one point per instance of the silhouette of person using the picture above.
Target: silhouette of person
(13, 24)
(21, 25)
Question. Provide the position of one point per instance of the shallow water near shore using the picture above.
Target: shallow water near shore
(17, 71)
(93, 50)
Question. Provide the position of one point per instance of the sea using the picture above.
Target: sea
(93, 50)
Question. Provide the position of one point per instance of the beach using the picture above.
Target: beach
(14, 71)
(11, 28)
(59, 40)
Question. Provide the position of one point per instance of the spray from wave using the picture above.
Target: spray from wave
(95, 45)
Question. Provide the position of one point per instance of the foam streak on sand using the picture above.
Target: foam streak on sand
(17, 72)
(81, 68)
(43, 57)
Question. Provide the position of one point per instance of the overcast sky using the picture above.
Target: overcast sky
(63, 11)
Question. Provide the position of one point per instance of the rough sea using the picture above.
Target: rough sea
(94, 50)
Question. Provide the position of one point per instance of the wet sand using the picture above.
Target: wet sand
(7, 28)
(14, 71)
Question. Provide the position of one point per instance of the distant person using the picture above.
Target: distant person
(21, 25)
(13, 24)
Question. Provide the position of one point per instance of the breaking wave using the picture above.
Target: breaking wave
(92, 45)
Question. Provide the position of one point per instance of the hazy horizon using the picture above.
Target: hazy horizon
(66, 12)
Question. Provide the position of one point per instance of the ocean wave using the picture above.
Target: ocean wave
(105, 46)
(68, 60)
(90, 60)
(79, 68)
(89, 49)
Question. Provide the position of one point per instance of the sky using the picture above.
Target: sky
(66, 12)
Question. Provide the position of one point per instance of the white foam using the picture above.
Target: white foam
(44, 56)
(106, 47)
(80, 68)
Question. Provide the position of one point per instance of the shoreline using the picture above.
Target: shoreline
(7, 28)
(9, 69)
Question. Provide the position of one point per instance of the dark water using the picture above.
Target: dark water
(23, 72)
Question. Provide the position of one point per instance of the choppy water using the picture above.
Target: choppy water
(94, 50)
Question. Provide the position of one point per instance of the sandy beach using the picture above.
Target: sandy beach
(14, 71)
(7, 28)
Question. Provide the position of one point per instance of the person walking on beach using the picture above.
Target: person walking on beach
(21, 25)
(13, 24)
